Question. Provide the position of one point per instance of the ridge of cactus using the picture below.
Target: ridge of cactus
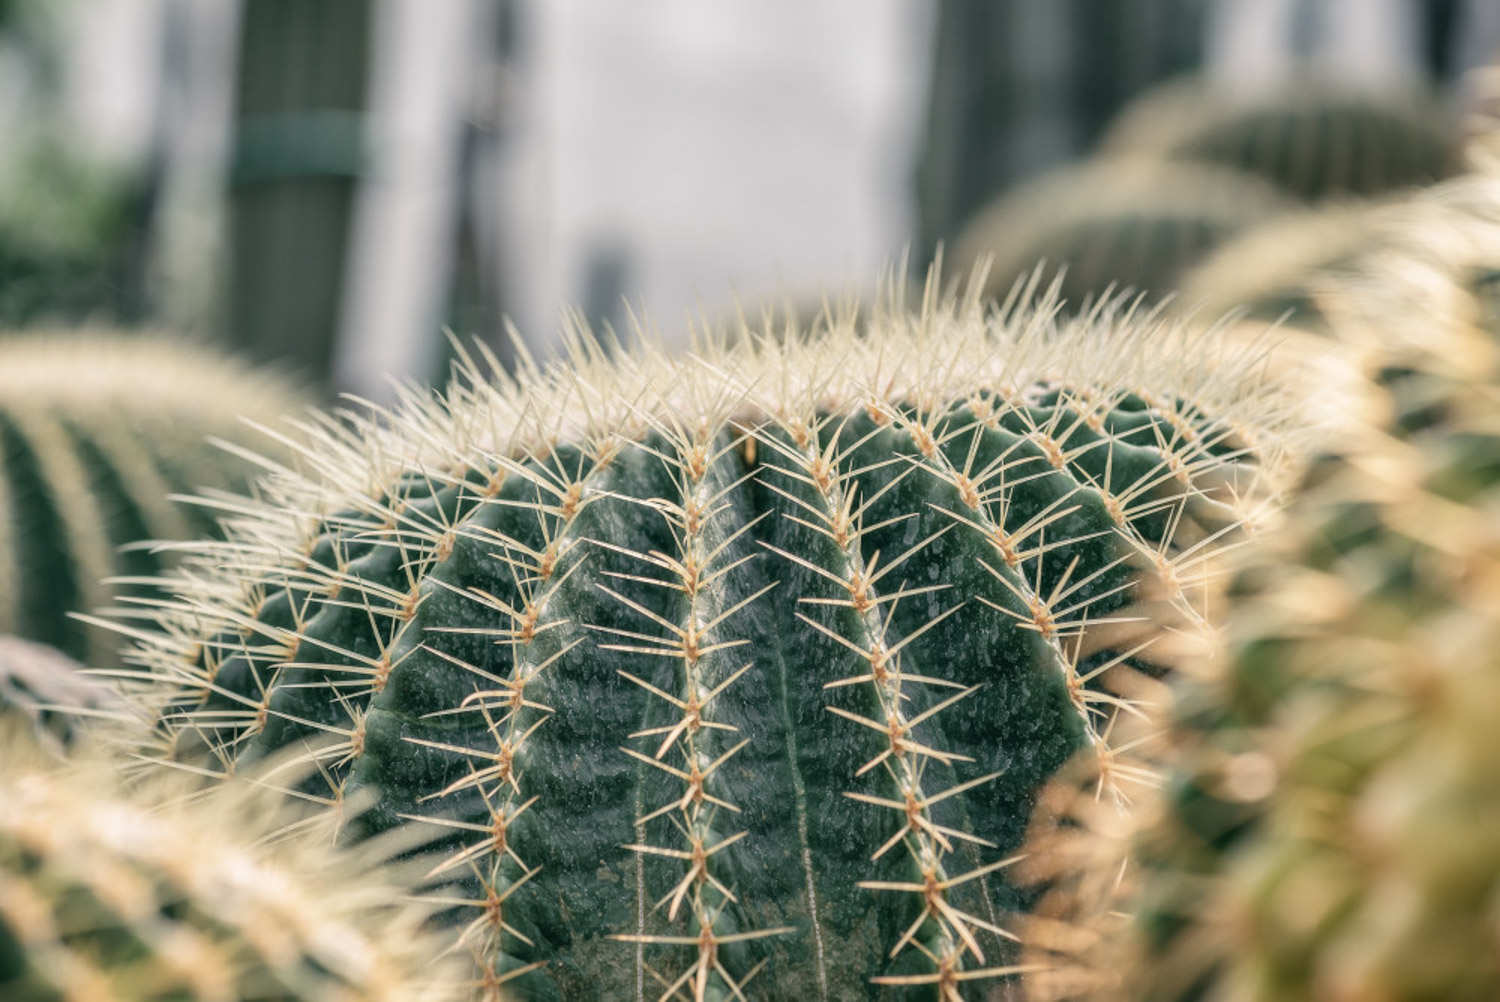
(1310, 139)
(733, 672)
(174, 894)
(1326, 824)
(96, 431)
(1114, 224)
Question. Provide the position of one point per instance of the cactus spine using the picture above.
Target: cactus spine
(732, 670)
(90, 451)
(1329, 827)
(158, 896)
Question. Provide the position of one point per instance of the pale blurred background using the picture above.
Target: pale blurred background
(329, 184)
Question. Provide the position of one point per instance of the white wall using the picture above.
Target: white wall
(753, 148)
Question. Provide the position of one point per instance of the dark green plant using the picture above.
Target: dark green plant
(69, 237)
(735, 673)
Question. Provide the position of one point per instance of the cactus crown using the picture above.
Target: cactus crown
(89, 455)
(734, 666)
(165, 896)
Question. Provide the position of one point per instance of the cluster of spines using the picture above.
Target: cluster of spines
(699, 640)
(556, 473)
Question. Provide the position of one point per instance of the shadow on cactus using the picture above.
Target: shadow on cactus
(734, 673)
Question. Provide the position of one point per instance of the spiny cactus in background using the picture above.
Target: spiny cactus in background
(162, 897)
(1329, 827)
(95, 432)
(730, 673)
(1309, 141)
(1113, 224)
(48, 690)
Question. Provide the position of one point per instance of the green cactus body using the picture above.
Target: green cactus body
(1329, 826)
(167, 895)
(1124, 223)
(88, 456)
(729, 674)
(1310, 142)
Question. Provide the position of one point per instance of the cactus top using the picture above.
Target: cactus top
(735, 672)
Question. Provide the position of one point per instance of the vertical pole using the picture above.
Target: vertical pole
(297, 154)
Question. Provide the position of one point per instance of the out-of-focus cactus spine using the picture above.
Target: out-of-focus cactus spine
(1278, 269)
(732, 674)
(1311, 142)
(157, 896)
(95, 432)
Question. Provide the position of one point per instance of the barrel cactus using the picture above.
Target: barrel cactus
(1329, 827)
(1312, 142)
(1123, 223)
(160, 897)
(728, 674)
(95, 432)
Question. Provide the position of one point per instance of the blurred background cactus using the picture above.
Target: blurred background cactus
(328, 183)
(48, 692)
(96, 431)
(158, 895)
